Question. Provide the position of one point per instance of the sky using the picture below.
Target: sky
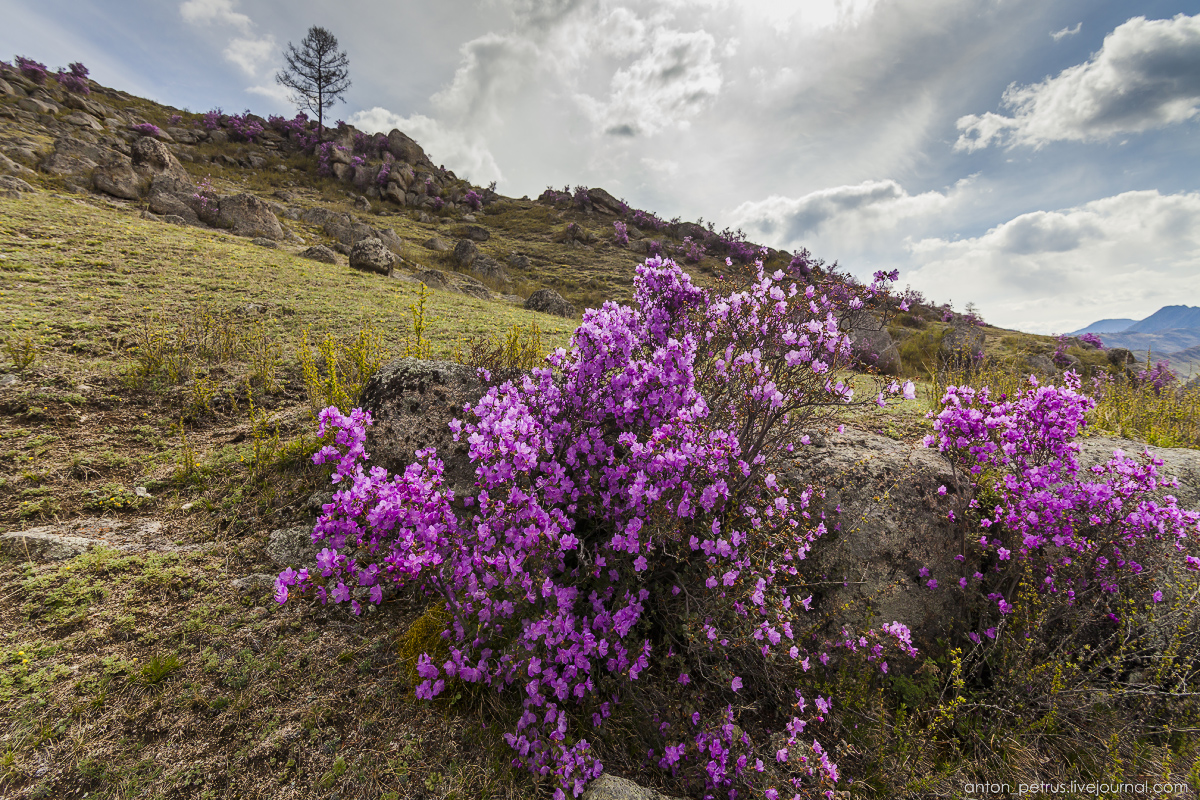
(1036, 158)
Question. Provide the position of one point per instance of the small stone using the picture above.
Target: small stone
(142, 491)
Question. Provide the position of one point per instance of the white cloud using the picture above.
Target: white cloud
(206, 12)
(675, 77)
(844, 217)
(1054, 271)
(1065, 32)
(272, 91)
(466, 154)
(250, 53)
(1145, 76)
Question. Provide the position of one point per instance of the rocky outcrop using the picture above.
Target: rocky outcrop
(12, 187)
(549, 301)
(604, 202)
(405, 149)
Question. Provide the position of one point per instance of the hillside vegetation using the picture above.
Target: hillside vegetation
(160, 382)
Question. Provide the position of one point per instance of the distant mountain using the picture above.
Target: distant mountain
(1105, 326)
(1159, 344)
(1168, 318)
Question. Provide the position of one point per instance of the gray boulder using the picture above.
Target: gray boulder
(405, 149)
(962, 343)
(372, 255)
(549, 301)
(11, 187)
(874, 348)
(116, 177)
(248, 215)
(165, 203)
(412, 403)
(36, 106)
(320, 253)
(293, 547)
(604, 202)
(43, 544)
(434, 279)
(474, 232)
(465, 253)
(82, 120)
(612, 787)
(436, 244)
(155, 163)
(489, 268)
(893, 522)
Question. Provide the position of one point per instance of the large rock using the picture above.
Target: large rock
(962, 343)
(612, 787)
(44, 544)
(116, 177)
(349, 231)
(72, 156)
(412, 403)
(372, 255)
(465, 253)
(549, 301)
(475, 232)
(159, 167)
(1178, 462)
(605, 202)
(320, 253)
(293, 547)
(166, 203)
(248, 215)
(434, 279)
(874, 348)
(867, 568)
(489, 268)
(405, 149)
(11, 187)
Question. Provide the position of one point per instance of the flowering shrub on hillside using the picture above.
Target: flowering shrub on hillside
(1094, 340)
(620, 234)
(473, 200)
(1081, 532)
(627, 524)
(33, 70)
(75, 80)
(1157, 377)
(146, 129)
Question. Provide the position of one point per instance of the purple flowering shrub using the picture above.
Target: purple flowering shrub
(1157, 377)
(1092, 538)
(627, 525)
(473, 200)
(33, 70)
(691, 251)
(620, 234)
(1094, 340)
(74, 78)
(146, 129)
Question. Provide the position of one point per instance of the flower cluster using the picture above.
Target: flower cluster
(626, 522)
(620, 234)
(1158, 377)
(691, 251)
(473, 200)
(1094, 340)
(74, 78)
(146, 129)
(1081, 530)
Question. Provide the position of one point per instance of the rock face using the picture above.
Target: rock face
(12, 187)
(1178, 462)
(549, 301)
(149, 169)
(405, 149)
(248, 215)
(892, 523)
(611, 787)
(412, 403)
(372, 256)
